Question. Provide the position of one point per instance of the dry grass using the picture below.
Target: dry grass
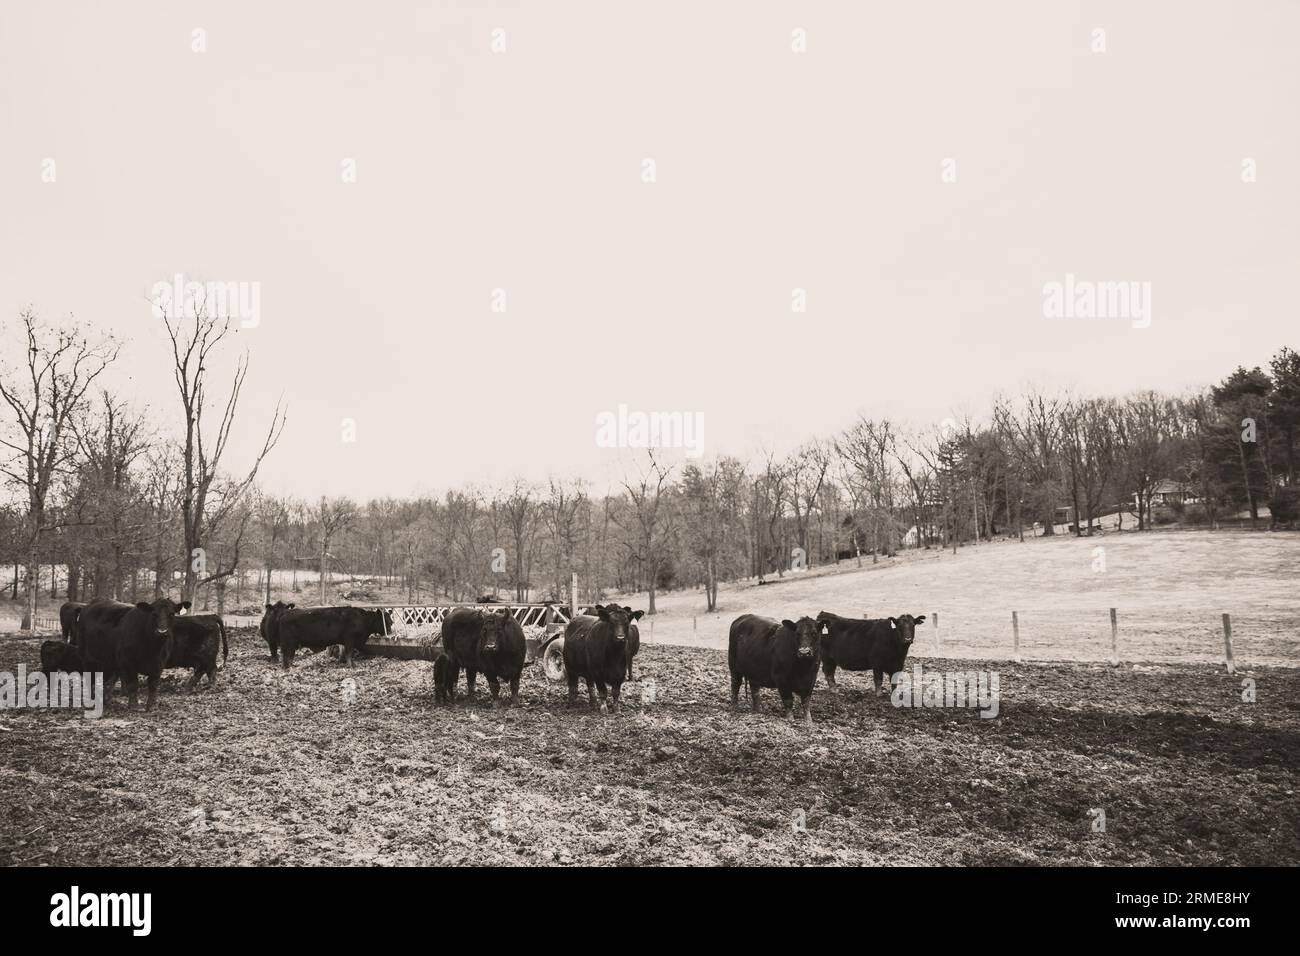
(1170, 589)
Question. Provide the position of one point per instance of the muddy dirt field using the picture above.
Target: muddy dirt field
(276, 769)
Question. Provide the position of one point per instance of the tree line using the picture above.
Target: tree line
(102, 503)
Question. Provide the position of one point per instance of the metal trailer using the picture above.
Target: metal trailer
(416, 633)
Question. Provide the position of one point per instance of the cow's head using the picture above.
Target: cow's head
(272, 612)
(494, 627)
(810, 633)
(905, 626)
(619, 619)
(380, 621)
(162, 612)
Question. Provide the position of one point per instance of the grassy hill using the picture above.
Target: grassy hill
(1170, 589)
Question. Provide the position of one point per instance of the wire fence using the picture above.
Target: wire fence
(1083, 635)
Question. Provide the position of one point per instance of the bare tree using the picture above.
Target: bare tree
(227, 537)
(162, 484)
(59, 366)
(1147, 443)
(333, 517)
(652, 523)
(870, 448)
(193, 344)
(807, 468)
(919, 481)
(712, 497)
(273, 516)
(463, 537)
(771, 490)
(110, 440)
(1035, 445)
(522, 518)
(560, 512)
(1088, 446)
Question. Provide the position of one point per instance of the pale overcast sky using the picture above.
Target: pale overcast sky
(523, 170)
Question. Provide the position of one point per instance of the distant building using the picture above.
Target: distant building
(1168, 492)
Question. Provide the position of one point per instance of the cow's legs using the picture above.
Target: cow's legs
(573, 689)
(604, 693)
(471, 675)
(514, 690)
(591, 693)
(106, 681)
(787, 701)
(615, 690)
(735, 689)
(753, 696)
(806, 700)
(131, 682)
(828, 668)
(286, 655)
(193, 682)
(453, 678)
(152, 701)
(495, 686)
(877, 676)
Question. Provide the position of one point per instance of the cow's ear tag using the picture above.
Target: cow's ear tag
(892, 625)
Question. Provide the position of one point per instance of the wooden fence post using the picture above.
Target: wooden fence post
(936, 633)
(573, 595)
(1114, 637)
(1015, 630)
(1227, 643)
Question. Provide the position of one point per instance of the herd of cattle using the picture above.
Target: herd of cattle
(127, 640)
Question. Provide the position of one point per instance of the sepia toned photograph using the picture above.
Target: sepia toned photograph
(750, 435)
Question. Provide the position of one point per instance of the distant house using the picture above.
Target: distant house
(1064, 514)
(1168, 492)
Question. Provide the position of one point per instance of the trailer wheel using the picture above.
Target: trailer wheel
(553, 660)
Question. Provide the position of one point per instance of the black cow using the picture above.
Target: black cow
(58, 656)
(198, 637)
(780, 654)
(487, 641)
(321, 627)
(599, 649)
(633, 641)
(633, 633)
(270, 626)
(127, 640)
(68, 615)
(879, 645)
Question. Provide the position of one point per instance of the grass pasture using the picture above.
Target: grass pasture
(1170, 590)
